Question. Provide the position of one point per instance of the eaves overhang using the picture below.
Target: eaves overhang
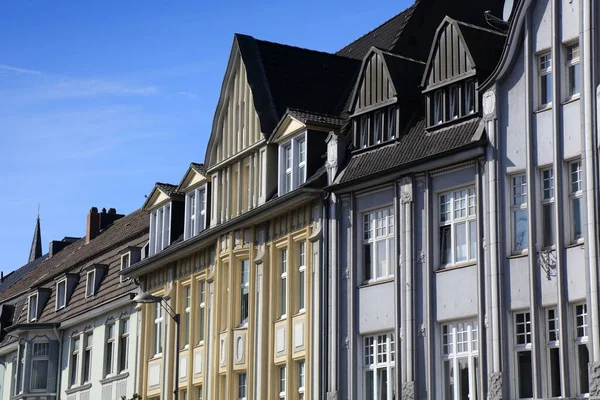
(33, 326)
(176, 251)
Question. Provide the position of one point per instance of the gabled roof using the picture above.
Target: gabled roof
(160, 193)
(295, 121)
(383, 37)
(294, 78)
(192, 176)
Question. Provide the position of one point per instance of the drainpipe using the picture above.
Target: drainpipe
(324, 348)
(587, 34)
(59, 366)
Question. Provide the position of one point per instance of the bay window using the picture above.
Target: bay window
(553, 355)
(376, 127)
(576, 196)
(160, 229)
(39, 366)
(520, 224)
(379, 366)
(548, 208)
(452, 102)
(457, 227)
(292, 164)
(195, 211)
(522, 323)
(460, 346)
(244, 291)
(582, 352)
(378, 244)
(573, 70)
(545, 79)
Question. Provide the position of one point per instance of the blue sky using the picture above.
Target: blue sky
(99, 100)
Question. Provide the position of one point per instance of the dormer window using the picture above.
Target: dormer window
(438, 107)
(61, 294)
(125, 263)
(90, 285)
(376, 127)
(452, 102)
(469, 97)
(195, 205)
(292, 164)
(160, 223)
(33, 308)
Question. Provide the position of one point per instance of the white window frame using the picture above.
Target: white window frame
(469, 97)
(32, 303)
(158, 330)
(90, 291)
(544, 65)
(160, 228)
(123, 355)
(378, 226)
(242, 386)
(87, 358)
(518, 206)
(109, 350)
(74, 368)
(363, 131)
(378, 354)
(572, 63)
(40, 356)
(293, 163)
(552, 345)
(195, 211)
(437, 107)
(581, 338)
(378, 126)
(576, 197)
(465, 198)
(301, 277)
(59, 306)
(301, 379)
(391, 122)
(548, 191)
(460, 341)
(522, 342)
(201, 311)
(125, 265)
(244, 291)
(187, 301)
(282, 381)
(454, 106)
(283, 295)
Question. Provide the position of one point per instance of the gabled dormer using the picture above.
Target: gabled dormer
(64, 287)
(384, 97)
(129, 256)
(462, 56)
(36, 301)
(195, 186)
(297, 132)
(94, 275)
(166, 207)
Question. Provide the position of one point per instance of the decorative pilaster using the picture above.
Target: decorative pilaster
(495, 386)
(408, 390)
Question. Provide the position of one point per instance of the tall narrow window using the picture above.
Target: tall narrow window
(572, 65)
(283, 284)
(125, 263)
(458, 227)
(87, 358)
(548, 207)
(199, 395)
(301, 161)
(20, 370)
(242, 387)
(576, 200)
(552, 345)
(61, 294)
(201, 313)
(378, 244)
(453, 101)
(519, 213)
(90, 284)
(39, 366)
(32, 307)
(287, 154)
(186, 326)
(378, 127)
(192, 208)
(545, 73)
(244, 291)
(301, 276)
(523, 353)
(469, 97)
(460, 369)
(379, 367)
(364, 131)
(438, 107)
(392, 123)
(301, 380)
(158, 327)
(124, 346)
(581, 344)
(282, 373)
(109, 350)
(74, 366)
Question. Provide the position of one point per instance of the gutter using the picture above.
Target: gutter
(187, 247)
(59, 369)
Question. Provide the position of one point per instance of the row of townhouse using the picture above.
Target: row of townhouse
(415, 216)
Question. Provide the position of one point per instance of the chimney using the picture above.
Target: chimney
(57, 245)
(97, 222)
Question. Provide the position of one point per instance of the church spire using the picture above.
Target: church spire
(36, 244)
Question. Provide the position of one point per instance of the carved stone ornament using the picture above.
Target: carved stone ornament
(421, 184)
(423, 330)
(406, 194)
(484, 244)
(422, 256)
(346, 274)
(346, 343)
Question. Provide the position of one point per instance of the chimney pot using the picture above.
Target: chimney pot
(103, 210)
(112, 211)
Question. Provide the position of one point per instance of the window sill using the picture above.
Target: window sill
(200, 344)
(299, 313)
(156, 357)
(578, 243)
(545, 107)
(518, 255)
(241, 327)
(456, 266)
(445, 124)
(113, 378)
(376, 282)
(572, 99)
(76, 389)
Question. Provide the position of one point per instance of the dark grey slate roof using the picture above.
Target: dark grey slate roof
(316, 118)
(167, 188)
(16, 275)
(414, 146)
(198, 167)
(485, 46)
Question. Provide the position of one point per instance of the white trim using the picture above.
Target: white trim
(87, 284)
(56, 306)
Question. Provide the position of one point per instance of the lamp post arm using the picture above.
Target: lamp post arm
(165, 305)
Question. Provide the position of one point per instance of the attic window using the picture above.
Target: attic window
(125, 263)
(61, 294)
(452, 102)
(33, 308)
(292, 164)
(376, 127)
(90, 285)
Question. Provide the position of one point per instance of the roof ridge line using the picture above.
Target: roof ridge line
(302, 48)
(481, 28)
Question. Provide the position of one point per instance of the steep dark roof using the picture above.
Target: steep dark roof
(167, 188)
(383, 37)
(484, 45)
(198, 167)
(415, 145)
(308, 117)
(36, 244)
(283, 77)
(16, 275)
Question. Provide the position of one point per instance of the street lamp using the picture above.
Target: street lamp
(146, 298)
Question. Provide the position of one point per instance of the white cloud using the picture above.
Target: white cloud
(6, 69)
(187, 94)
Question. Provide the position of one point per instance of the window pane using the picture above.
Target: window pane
(382, 259)
(39, 374)
(445, 245)
(448, 380)
(525, 375)
(583, 358)
(472, 240)
(460, 242)
(554, 372)
(577, 218)
(463, 379)
(367, 261)
(521, 230)
(546, 89)
(378, 127)
(438, 116)
(469, 97)
(370, 392)
(382, 384)
(364, 131)
(548, 225)
(391, 128)
(453, 106)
